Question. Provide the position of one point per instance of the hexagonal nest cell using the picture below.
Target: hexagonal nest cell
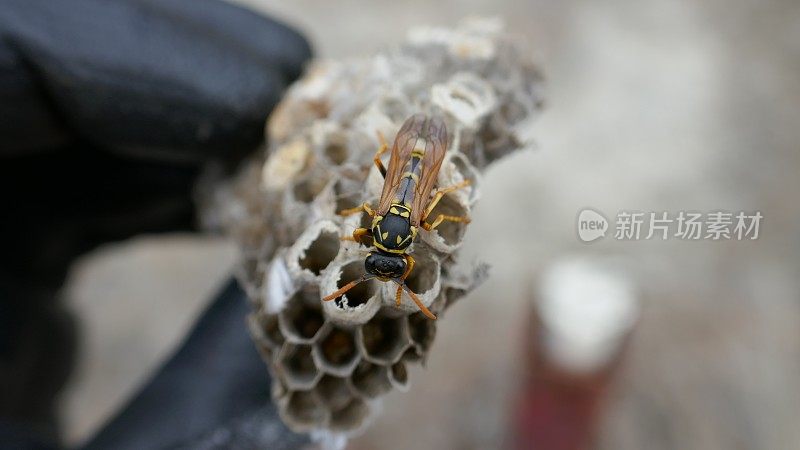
(303, 411)
(398, 376)
(300, 322)
(306, 190)
(297, 366)
(371, 380)
(361, 292)
(425, 274)
(334, 392)
(350, 417)
(422, 331)
(332, 361)
(321, 252)
(336, 149)
(337, 351)
(265, 326)
(384, 339)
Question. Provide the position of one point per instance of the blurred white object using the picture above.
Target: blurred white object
(587, 307)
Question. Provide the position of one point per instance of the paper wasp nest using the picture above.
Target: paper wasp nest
(332, 361)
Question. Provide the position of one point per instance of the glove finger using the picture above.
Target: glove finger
(266, 38)
(144, 78)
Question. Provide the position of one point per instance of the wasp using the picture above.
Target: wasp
(405, 204)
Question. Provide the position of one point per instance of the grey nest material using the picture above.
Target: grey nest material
(333, 361)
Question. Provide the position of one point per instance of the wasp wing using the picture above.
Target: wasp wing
(435, 135)
(404, 144)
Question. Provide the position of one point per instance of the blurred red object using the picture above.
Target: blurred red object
(559, 409)
(580, 325)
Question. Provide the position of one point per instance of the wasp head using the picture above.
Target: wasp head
(385, 266)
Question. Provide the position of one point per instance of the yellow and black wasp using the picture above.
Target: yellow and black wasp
(405, 204)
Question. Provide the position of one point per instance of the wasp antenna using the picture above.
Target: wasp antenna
(416, 299)
(346, 288)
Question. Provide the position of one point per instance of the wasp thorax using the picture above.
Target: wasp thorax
(393, 232)
(385, 266)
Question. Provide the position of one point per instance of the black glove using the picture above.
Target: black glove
(213, 394)
(108, 111)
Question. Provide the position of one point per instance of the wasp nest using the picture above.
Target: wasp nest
(332, 361)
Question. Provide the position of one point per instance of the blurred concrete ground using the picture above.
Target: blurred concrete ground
(652, 105)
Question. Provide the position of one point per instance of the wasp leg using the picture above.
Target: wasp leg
(365, 207)
(438, 196)
(409, 267)
(421, 307)
(358, 234)
(441, 218)
(381, 151)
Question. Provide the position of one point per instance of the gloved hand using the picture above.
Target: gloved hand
(108, 111)
(213, 394)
